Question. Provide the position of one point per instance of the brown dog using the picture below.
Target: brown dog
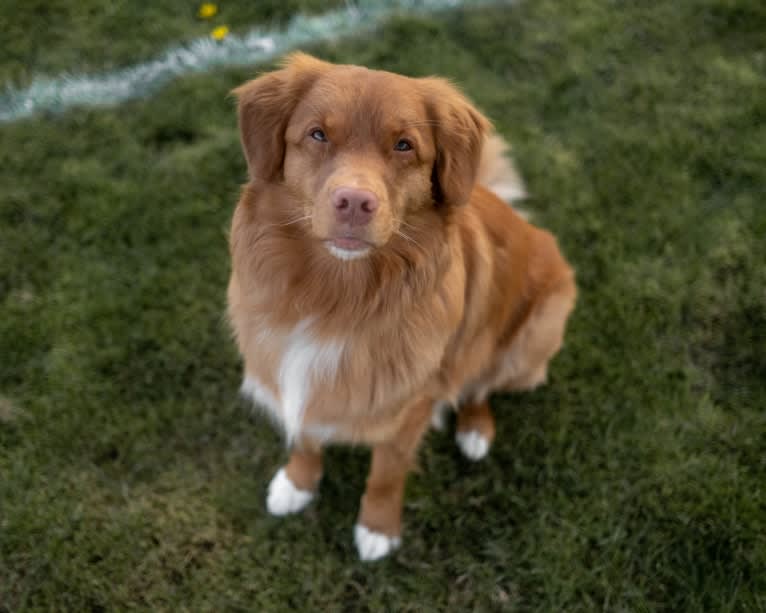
(374, 278)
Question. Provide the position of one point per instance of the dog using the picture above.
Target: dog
(376, 279)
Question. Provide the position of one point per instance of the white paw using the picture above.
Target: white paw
(283, 497)
(473, 445)
(373, 545)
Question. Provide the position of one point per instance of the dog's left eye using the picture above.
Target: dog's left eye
(317, 134)
(403, 145)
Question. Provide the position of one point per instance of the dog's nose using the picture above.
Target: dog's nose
(355, 207)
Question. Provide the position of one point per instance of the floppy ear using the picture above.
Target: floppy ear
(459, 131)
(264, 106)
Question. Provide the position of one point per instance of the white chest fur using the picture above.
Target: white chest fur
(304, 363)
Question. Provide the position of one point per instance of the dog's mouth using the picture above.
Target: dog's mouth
(349, 243)
(348, 247)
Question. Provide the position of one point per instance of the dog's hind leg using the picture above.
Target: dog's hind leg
(475, 429)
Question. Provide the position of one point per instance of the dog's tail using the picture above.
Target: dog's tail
(497, 172)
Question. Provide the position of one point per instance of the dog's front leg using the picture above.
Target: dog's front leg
(379, 527)
(295, 484)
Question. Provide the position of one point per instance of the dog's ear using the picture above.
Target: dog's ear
(459, 132)
(264, 107)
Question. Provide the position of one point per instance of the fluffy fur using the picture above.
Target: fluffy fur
(432, 291)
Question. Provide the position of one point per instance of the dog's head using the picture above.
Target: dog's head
(360, 151)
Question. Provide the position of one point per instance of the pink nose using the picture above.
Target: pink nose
(355, 207)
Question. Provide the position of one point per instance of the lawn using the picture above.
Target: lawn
(132, 476)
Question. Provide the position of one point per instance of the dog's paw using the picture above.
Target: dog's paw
(439, 416)
(473, 444)
(284, 498)
(373, 545)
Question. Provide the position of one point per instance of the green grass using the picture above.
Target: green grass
(131, 476)
(53, 36)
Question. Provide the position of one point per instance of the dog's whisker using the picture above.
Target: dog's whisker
(406, 224)
(423, 122)
(286, 223)
(292, 221)
(409, 238)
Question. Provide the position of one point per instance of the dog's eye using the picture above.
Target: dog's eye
(403, 145)
(317, 134)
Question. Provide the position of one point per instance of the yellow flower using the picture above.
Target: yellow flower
(220, 32)
(207, 10)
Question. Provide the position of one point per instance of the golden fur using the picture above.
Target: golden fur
(457, 297)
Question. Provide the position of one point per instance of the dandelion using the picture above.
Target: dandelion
(207, 10)
(220, 32)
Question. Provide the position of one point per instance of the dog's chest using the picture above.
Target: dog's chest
(287, 369)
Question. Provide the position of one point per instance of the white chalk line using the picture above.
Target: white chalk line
(258, 45)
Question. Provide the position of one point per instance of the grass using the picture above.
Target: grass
(54, 36)
(133, 477)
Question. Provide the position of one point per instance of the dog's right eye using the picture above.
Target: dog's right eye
(317, 134)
